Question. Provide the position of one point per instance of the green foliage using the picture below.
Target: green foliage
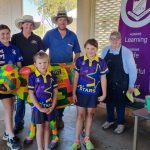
(41, 30)
(50, 7)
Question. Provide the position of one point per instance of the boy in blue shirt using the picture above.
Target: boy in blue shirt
(43, 92)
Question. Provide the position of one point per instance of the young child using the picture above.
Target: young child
(88, 90)
(43, 92)
(9, 54)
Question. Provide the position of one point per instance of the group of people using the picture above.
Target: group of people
(96, 79)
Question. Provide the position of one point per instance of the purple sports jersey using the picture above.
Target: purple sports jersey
(43, 86)
(89, 75)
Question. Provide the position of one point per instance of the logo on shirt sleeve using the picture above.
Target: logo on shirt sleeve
(20, 58)
(2, 51)
(2, 57)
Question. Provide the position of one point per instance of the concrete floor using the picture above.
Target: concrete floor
(103, 140)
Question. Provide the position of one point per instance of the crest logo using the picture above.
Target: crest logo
(139, 16)
(1, 51)
(37, 80)
(14, 51)
(139, 6)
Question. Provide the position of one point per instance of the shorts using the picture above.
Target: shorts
(40, 117)
(3, 96)
(87, 101)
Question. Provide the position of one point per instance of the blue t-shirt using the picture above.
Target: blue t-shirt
(43, 86)
(61, 49)
(9, 54)
(89, 75)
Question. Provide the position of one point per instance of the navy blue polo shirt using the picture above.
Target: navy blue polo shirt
(28, 46)
(9, 54)
(61, 49)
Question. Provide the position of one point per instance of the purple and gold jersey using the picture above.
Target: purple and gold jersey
(43, 86)
(89, 75)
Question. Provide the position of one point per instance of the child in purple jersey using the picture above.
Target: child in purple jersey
(9, 54)
(43, 92)
(88, 90)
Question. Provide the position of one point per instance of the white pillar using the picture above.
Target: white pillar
(84, 20)
(9, 11)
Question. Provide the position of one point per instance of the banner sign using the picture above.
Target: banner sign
(134, 26)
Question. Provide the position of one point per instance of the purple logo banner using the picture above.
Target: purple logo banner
(134, 26)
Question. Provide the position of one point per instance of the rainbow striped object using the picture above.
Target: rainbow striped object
(64, 76)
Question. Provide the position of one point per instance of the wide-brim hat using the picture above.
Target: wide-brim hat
(61, 14)
(26, 18)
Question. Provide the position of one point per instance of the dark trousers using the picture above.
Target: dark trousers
(60, 113)
(120, 109)
(20, 113)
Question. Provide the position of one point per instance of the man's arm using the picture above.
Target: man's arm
(77, 55)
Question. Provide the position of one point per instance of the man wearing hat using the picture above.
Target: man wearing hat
(62, 43)
(29, 44)
(120, 79)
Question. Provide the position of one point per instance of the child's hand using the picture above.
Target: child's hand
(101, 98)
(44, 110)
(75, 98)
(50, 109)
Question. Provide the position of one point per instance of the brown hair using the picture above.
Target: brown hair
(41, 54)
(3, 26)
(115, 35)
(91, 42)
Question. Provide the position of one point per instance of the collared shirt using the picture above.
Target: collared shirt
(61, 49)
(28, 47)
(129, 65)
(9, 54)
(89, 75)
(43, 86)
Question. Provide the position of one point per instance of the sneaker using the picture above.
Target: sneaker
(5, 136)
(13, 144)
(75, 146)
(107, 125)
(53, 144)
(17, 129)
(28, 141)
(88, 145)
(120, 129)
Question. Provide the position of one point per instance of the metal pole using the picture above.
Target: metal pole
(135, 133)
